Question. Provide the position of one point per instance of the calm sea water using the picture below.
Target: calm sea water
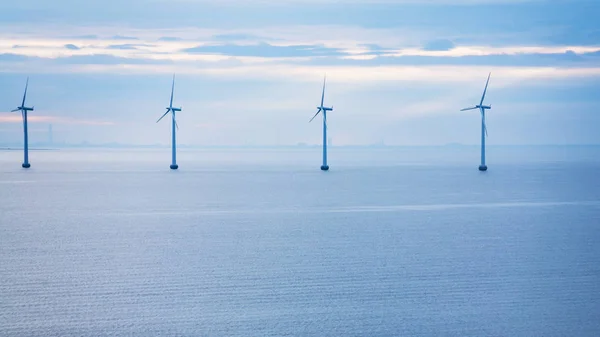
(411, 242)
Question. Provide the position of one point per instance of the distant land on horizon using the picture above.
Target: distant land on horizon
(48, 147)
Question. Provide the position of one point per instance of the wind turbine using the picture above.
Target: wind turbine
(482, 108)
(24, 110)
(174, 125)
(323, 109)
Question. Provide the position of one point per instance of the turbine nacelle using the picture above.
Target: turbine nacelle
(174, 109)
(24, 108)
(324, 108)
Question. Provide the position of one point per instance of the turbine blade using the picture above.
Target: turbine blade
(315, 115)
(472, 108)
(323, 94)
(176, 125)
(172, 90)
(15, 110)
(25, 94)
(485, 90)
(485, 128)
(163, 116)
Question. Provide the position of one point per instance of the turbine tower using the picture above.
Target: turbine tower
(323, 109)
(24, 110)
(174, 126)
(482, 109)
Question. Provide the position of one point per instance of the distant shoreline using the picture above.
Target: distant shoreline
(30, 149)
(291, 147)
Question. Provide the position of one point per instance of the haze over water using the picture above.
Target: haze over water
(411, 241)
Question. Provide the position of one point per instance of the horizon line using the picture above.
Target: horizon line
(46, 146)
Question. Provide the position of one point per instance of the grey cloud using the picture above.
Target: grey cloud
(439, 45)
(103, 59)
(375, 49)
(122, 46)
(594, 54)
(169, 38)
(266, 50)
(13, 57)
(568, 59)
(86, 37)
(107, 59)
(121, 37)
(72, 47)
(235, 37)
(529, 22)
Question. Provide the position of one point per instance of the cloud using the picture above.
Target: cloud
(293, 50)
(123, 46)
(392, 58)
(439, 45)
(169, 38)
(102, 59)
(243, 61)
(8, 57)
(266, 50)
(235, 37)
(86, 37)
(121, 37)
(357, 75)
(509, 50)
(566, 59)
(375, 49)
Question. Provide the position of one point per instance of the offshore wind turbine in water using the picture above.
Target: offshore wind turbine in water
(174, 126)
(482, 108)
(324, 110)
(24, 111)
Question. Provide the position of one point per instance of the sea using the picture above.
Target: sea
(406, 241)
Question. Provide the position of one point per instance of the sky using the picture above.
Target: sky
(250, 72)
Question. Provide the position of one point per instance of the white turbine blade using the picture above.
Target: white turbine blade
(176, 125)
(315, 115)
(15, 110)
(323, 94)
(485, 128)
(172, 90)
(163, 116)
(25, 94)
(485, 90)
(472, 108)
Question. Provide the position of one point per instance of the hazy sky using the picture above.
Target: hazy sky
(250, 71)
